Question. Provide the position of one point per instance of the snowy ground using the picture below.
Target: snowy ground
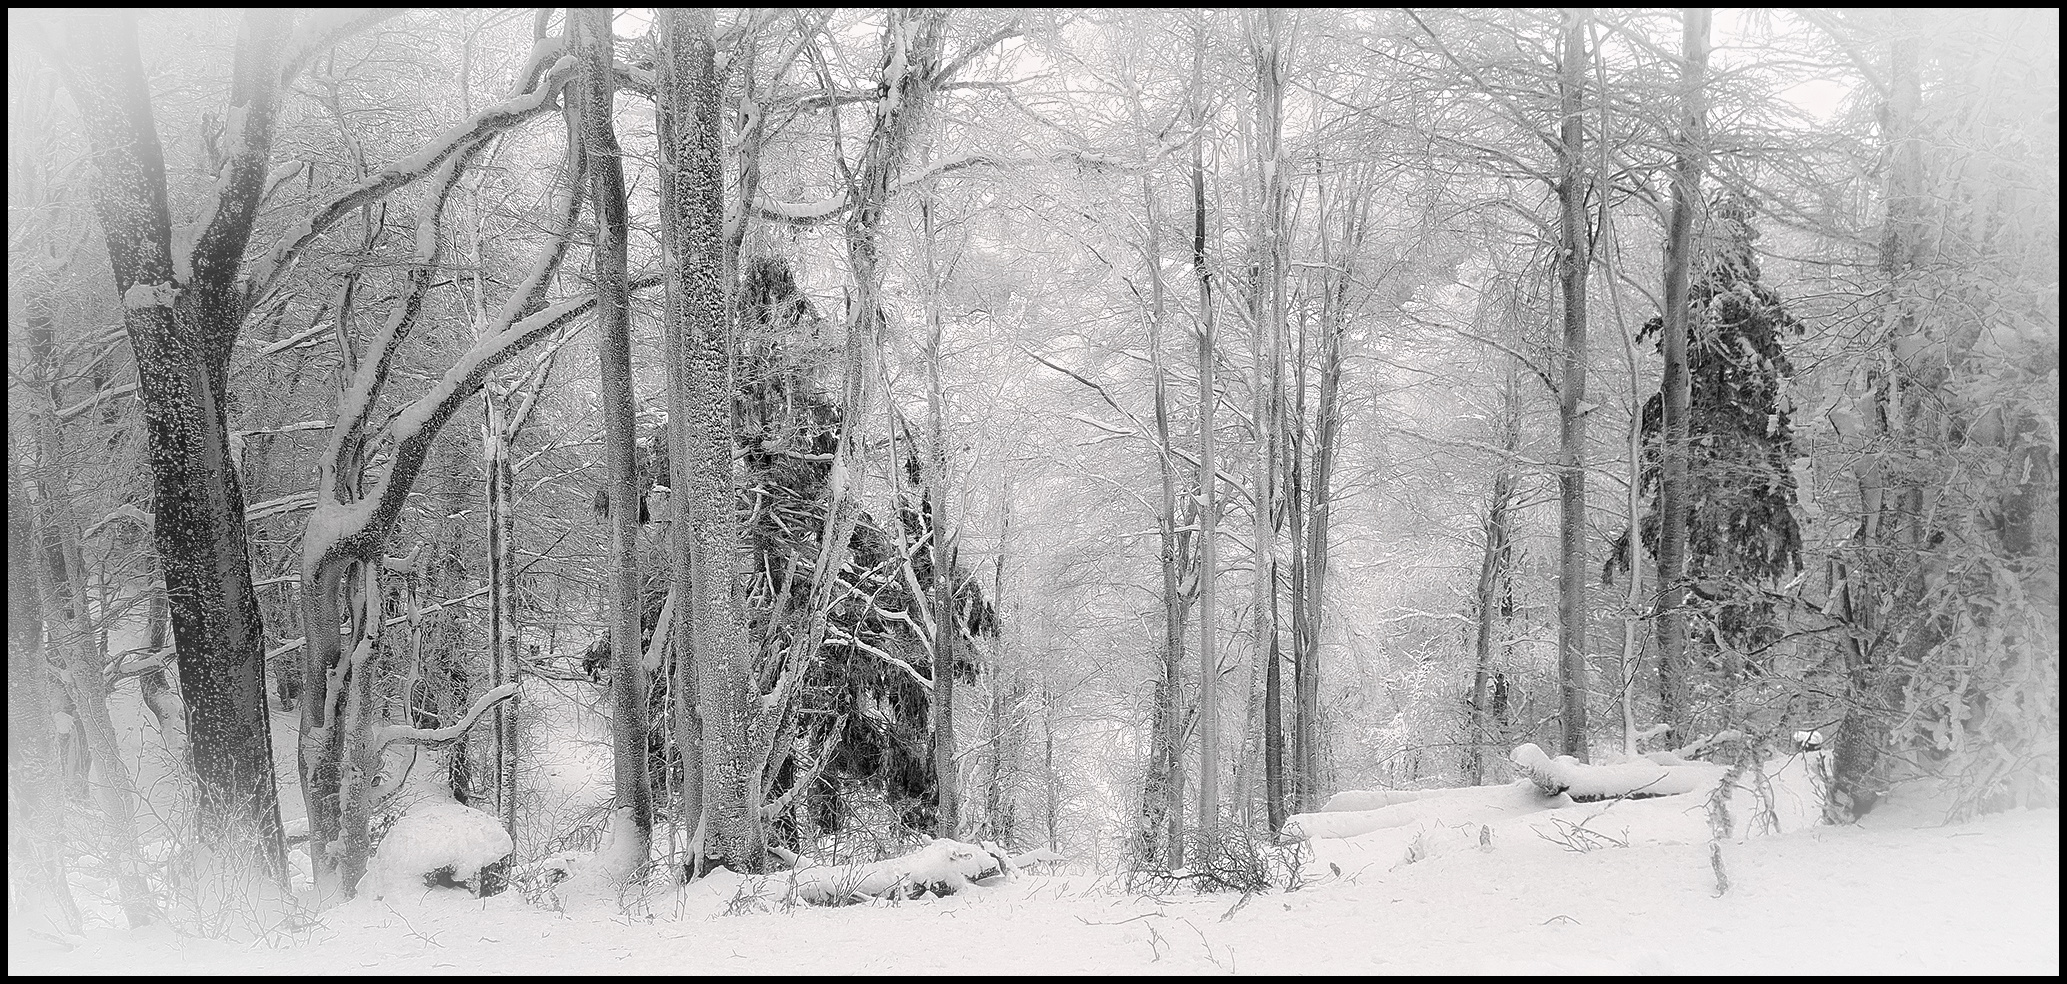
(1888, 897)
(1898, 894)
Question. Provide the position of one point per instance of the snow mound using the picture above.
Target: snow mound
(1355, 800)
(439, 843)
(1468, 804)
(1520, 818)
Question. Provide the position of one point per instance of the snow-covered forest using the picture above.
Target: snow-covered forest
(586, 490)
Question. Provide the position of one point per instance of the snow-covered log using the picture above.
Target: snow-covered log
(943, 867)
(1583, 782)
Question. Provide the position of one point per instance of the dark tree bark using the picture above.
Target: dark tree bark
(183, 308)
(1267, 386)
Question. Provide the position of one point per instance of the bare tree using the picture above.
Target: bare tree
(183, 307)
(1675, 684)
(1572, 190)
(698, 332)
(38, 892)
(593, 94)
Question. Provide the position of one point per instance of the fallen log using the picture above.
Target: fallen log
(1591, 783)
(942, 867)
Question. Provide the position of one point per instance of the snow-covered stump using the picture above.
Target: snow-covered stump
(439, 844)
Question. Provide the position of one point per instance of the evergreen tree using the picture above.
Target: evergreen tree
(1741, 529)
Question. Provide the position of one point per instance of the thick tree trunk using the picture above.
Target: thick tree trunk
(1676, 677)
(733, 736)
(1572, 407)
(1008, 695)
(593, 95)
(1492, 562)
(1355, 206)
(183, 311)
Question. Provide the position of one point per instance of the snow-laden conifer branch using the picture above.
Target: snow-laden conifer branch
(389, 734)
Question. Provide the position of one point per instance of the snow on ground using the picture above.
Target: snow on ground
(1477, 880)
(1891, 896)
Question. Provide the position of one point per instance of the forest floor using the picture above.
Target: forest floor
(1894, 895)
(1493, 889)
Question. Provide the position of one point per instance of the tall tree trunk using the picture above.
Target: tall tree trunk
(594, 92)
(183, 310)
(1008, 693)
(1319, 512)
(39, 894)
(1053, 780)
(945, 621)
(1493, 560)
(1676, 677)
(502, 628)
(1209, 495)
(1163, 794)
(1572, 266)
(1266, 386)
(701, 397)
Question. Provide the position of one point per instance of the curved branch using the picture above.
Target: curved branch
(495, 119)
(389, 734)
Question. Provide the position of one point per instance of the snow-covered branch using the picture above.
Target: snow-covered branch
(342, 527)
(280, 507)
(494, 119)
(392, 733)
